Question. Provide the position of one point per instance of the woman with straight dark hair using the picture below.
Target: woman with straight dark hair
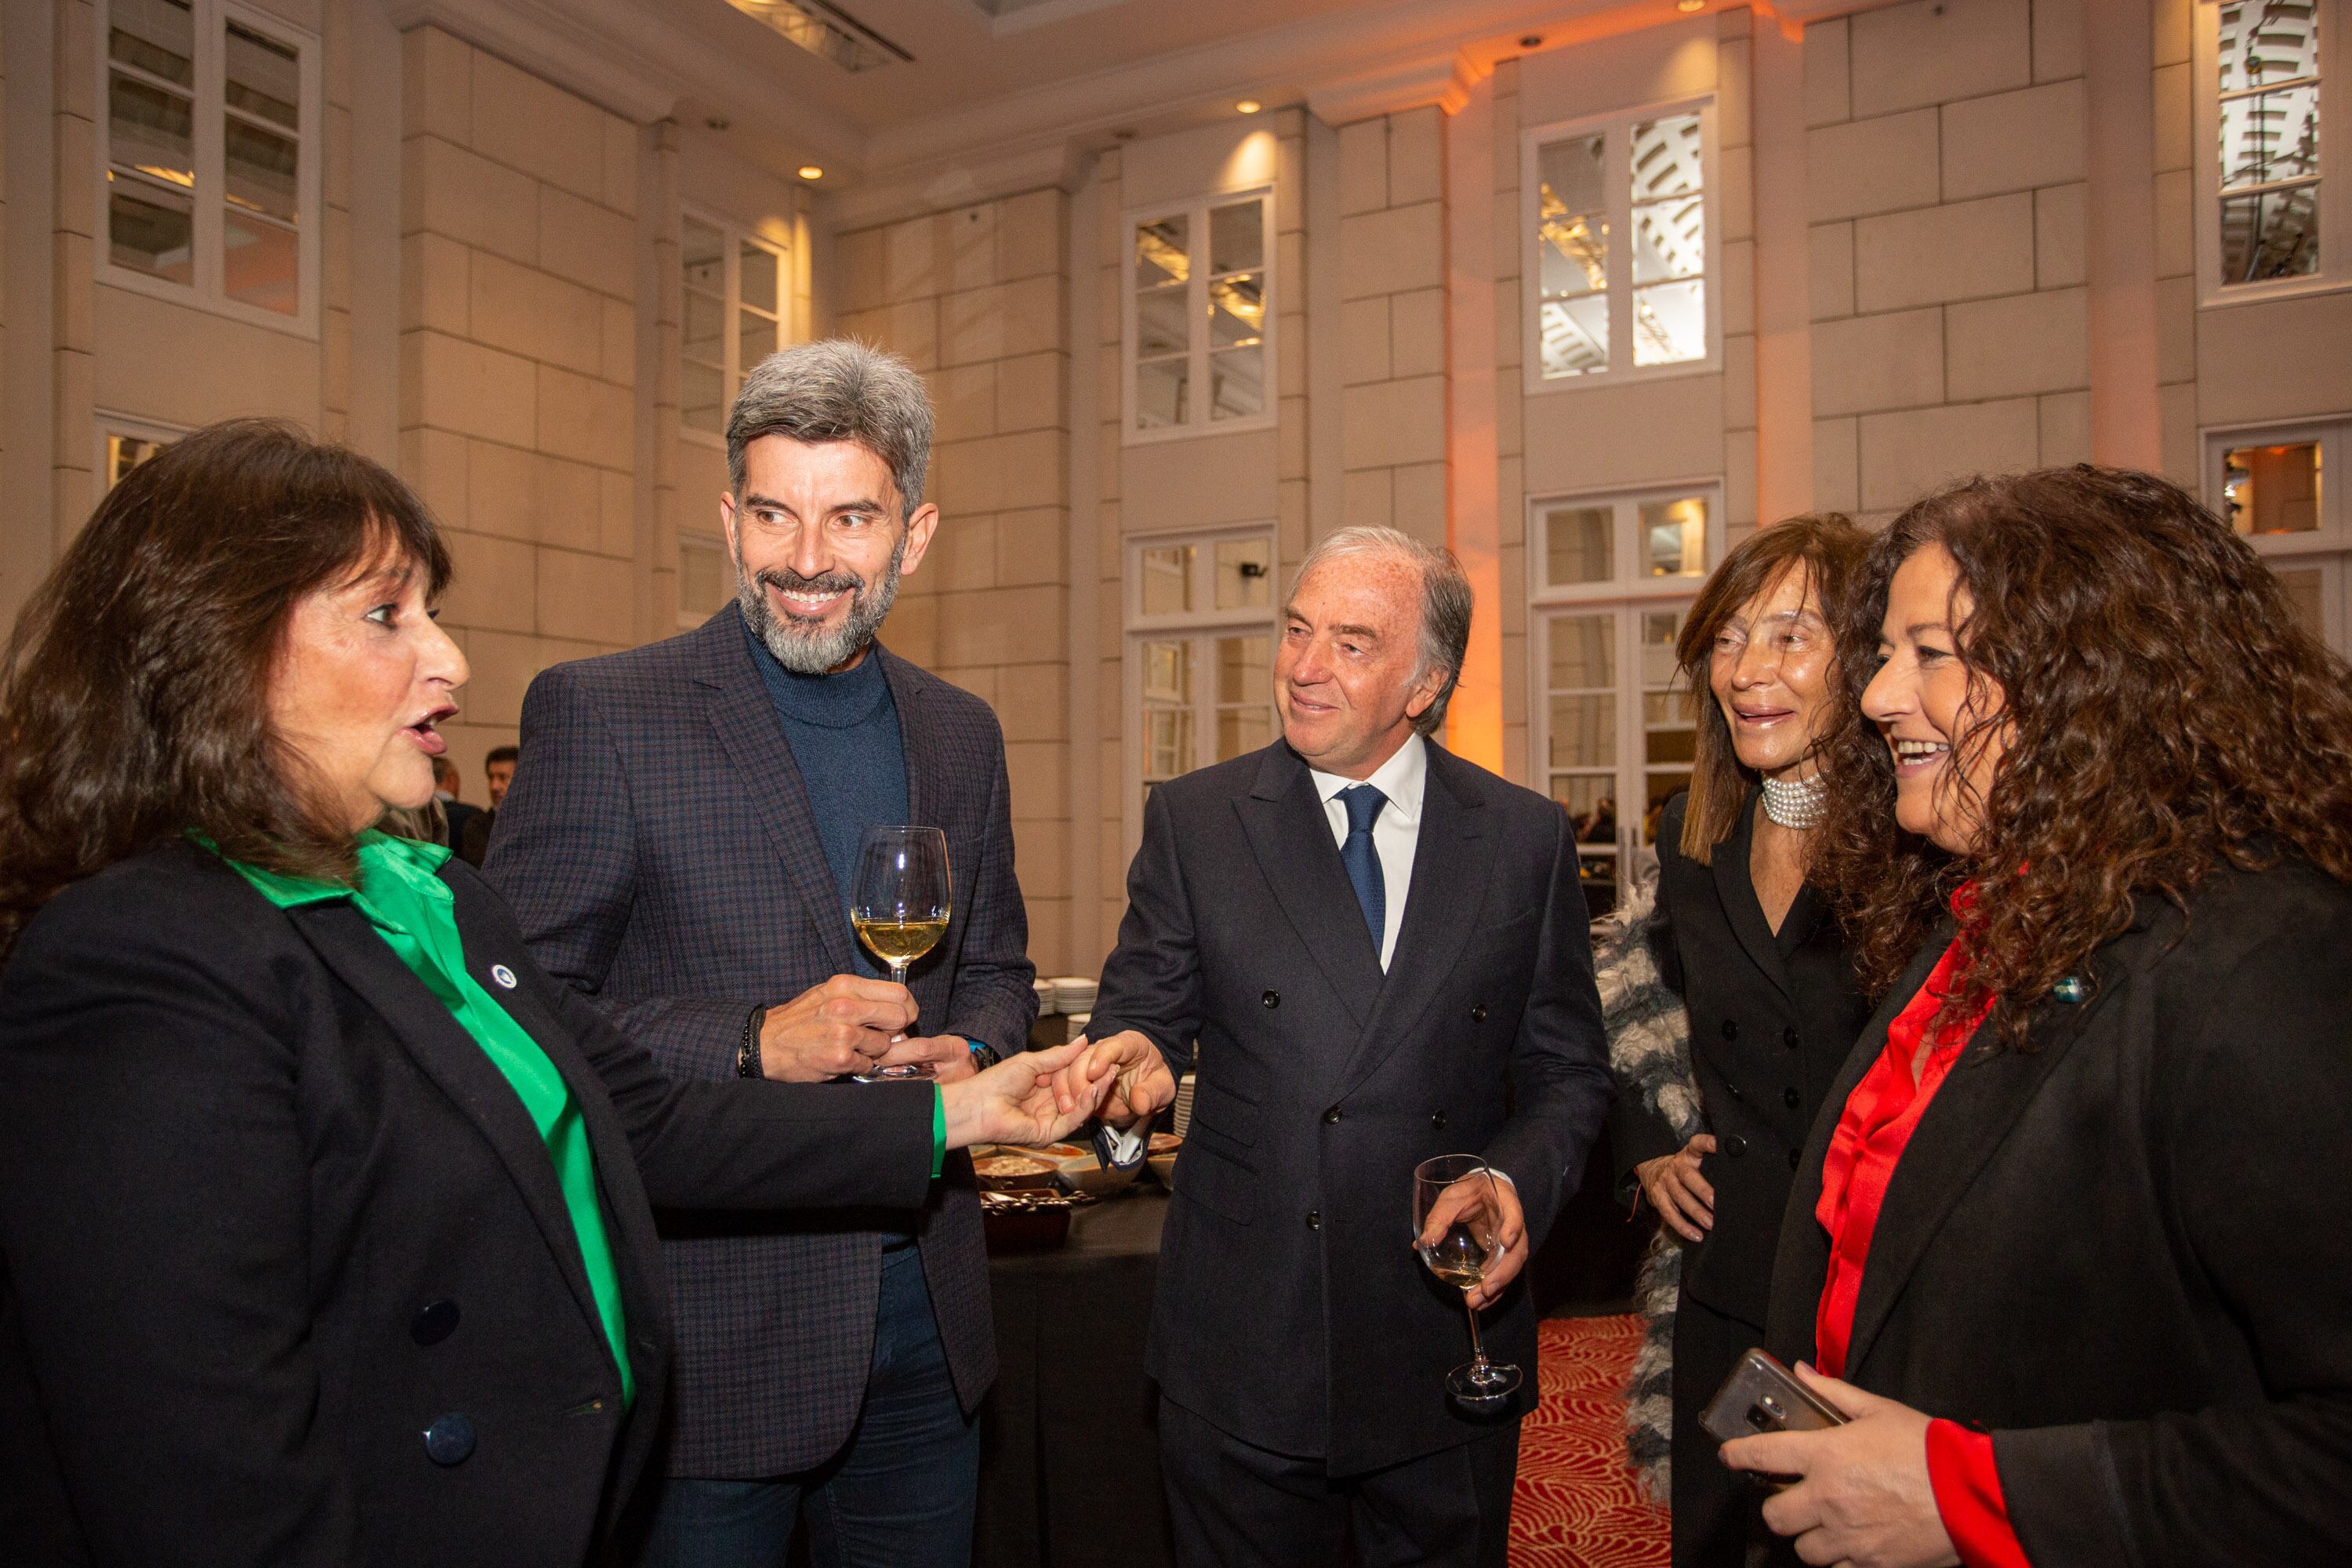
(1765, 984)
(325, 1217)
(2074, 1246)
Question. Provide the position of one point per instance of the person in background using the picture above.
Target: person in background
(473, 843)
(1762, 970)
(1382, 951)
(457, 817)
(326, 1223)
(682, 850)
(2072, 1244)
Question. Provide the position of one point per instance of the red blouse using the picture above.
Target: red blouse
(1876, 1124)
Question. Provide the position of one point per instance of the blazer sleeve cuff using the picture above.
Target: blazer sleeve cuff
(1967, 1483)
(2059, 1485)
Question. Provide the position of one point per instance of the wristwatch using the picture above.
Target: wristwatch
(747, 1050)
(983, 1055)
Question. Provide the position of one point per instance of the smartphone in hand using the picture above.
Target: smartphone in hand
(1762, 1395)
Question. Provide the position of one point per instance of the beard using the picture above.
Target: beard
(806, 647)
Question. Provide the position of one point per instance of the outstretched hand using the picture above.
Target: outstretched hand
(1136, 1076)
(1017, 1102)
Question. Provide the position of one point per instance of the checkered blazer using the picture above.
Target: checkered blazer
(658, 847)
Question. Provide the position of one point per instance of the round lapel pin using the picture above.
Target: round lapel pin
(2070, 989)
(503, 975)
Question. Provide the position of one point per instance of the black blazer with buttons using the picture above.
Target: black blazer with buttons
(1772, 1017)
(285, 1275)
(1291, 1312)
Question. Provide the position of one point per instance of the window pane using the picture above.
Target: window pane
(1236, 384)
(2305, 592)
(2272, 490)
(702, 252)
(1673, 537)
(701, 337)
(1162, 251)
(1236, 309)
(1244, 575)
(1670, 323)
(1659, 629)
(1572, 173)
(1589, 799)
(1168, 672)
(1163, 322)
(1237, 237)
(157, 37)
(702, 397)
(2270, 136)
(1667, 158)
(755, 340)
(758, 269)
(1669, 745)
(150, 230)
(1583, 652)
(1574, 336)
(1571, 226)
(1669, 239)
(1162, 392)
(2268, 41)
(264, 77)
(124, 453)
(1242, 731)
(1584, 732)
(1243, 674)
(1166, 581)
(260, 166)
(1658, 789)
(1578, 546)
(260, 263)
(2272, 235)
(151, 130)
(1167, 743)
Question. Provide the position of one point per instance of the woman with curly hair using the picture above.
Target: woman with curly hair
(2077, 1254)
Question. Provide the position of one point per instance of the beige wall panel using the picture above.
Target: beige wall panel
(1416, 156)
(1390, 422)
(1677, 59)
(1225, 157)
(526, 312)
(2176, 330)
(455, 192)
(436, 86)
(1029, 234)
(2176, 214)
(1872, 165)
(1205, 482)
(2027, 343)
(584, 420)
(1967, 250)
(2014, 141)
(1032, 546)
(538, 128)
(1636, 432)
(1837, 457)
(1904, 456)
(2065, 428)
(2058, 38)
(963, 402)
(2060, 255)
(1933, 51)
(586, 597)
(494, 585)
(1367, 499)
(1830, 274)
(1363, 340)
(436, 283)
(1417, 334)
(1391, 252)
(1828, 73)
(587, 243)
(161, 361)
(716, 181)
(2281, 359)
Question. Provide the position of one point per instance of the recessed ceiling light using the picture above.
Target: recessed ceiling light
(1690, 4)
(1532, 41)
(811, 172)
(1249, 106)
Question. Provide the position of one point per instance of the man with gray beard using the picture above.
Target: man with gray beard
(680, 842)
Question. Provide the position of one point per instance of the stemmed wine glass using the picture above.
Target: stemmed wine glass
(900, 909)
(1458, 1192)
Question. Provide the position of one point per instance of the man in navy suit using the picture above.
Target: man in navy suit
(1375, 952)
(680, 843)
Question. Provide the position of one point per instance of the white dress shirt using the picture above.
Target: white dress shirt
(1396, 831)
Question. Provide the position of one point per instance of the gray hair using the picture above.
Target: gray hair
(838, 390)
(1445, 602)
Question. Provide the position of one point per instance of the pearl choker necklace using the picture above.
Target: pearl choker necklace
(1799, 804)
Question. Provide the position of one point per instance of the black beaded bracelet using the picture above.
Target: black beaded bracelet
(747, 1051)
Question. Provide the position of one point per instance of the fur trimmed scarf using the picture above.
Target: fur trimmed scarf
(1649, 1051)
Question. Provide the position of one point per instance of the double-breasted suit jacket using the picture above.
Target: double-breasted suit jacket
(658, 847)
(288, 1276)
(1292, 1311)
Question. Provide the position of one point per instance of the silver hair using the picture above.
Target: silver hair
(1445, 602)
(837, 389)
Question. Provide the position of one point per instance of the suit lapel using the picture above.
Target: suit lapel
(1737, 890)
(745, 720)
(455, 1061)
(1291, 838)
(1980, 1099)
(1451, 859)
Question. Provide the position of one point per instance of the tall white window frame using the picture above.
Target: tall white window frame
(2211, 97)
(1623, 190)
(1607, 716)
(204, 186)
(2313, 563)
(1206, 321)
(1189, 600)
(718, 288)
(120, 442)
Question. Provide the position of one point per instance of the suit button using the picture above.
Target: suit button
(1315, 1219)
(1789, 1036)
(1478, 1013)
(434, 1323)
(449, 1440)
(1734, 1145)
(1437, 1120)
(1731, 1028)
(1791, 1098)
(1331, 1117)
(1272, 999)
(1733, 1090)
(1792, 1158)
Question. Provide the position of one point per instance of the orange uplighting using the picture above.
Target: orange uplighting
(1690, 4)
(1249, 106)
(811, 172)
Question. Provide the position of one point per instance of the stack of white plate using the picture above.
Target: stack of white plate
(1184, 1104)
(1045, 994)
(1073, 993)
(1079, 1025)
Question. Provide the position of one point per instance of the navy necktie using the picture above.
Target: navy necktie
(1362, 861)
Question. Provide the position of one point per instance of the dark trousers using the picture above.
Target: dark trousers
(1712, 1505)
(900, 1494)
(1236, 1506)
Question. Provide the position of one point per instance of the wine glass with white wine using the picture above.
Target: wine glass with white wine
(1463, 1187)
(900, 909)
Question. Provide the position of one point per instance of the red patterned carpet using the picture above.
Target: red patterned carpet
(1576, 1506)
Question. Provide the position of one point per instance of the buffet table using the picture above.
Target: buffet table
(1069, 1466)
